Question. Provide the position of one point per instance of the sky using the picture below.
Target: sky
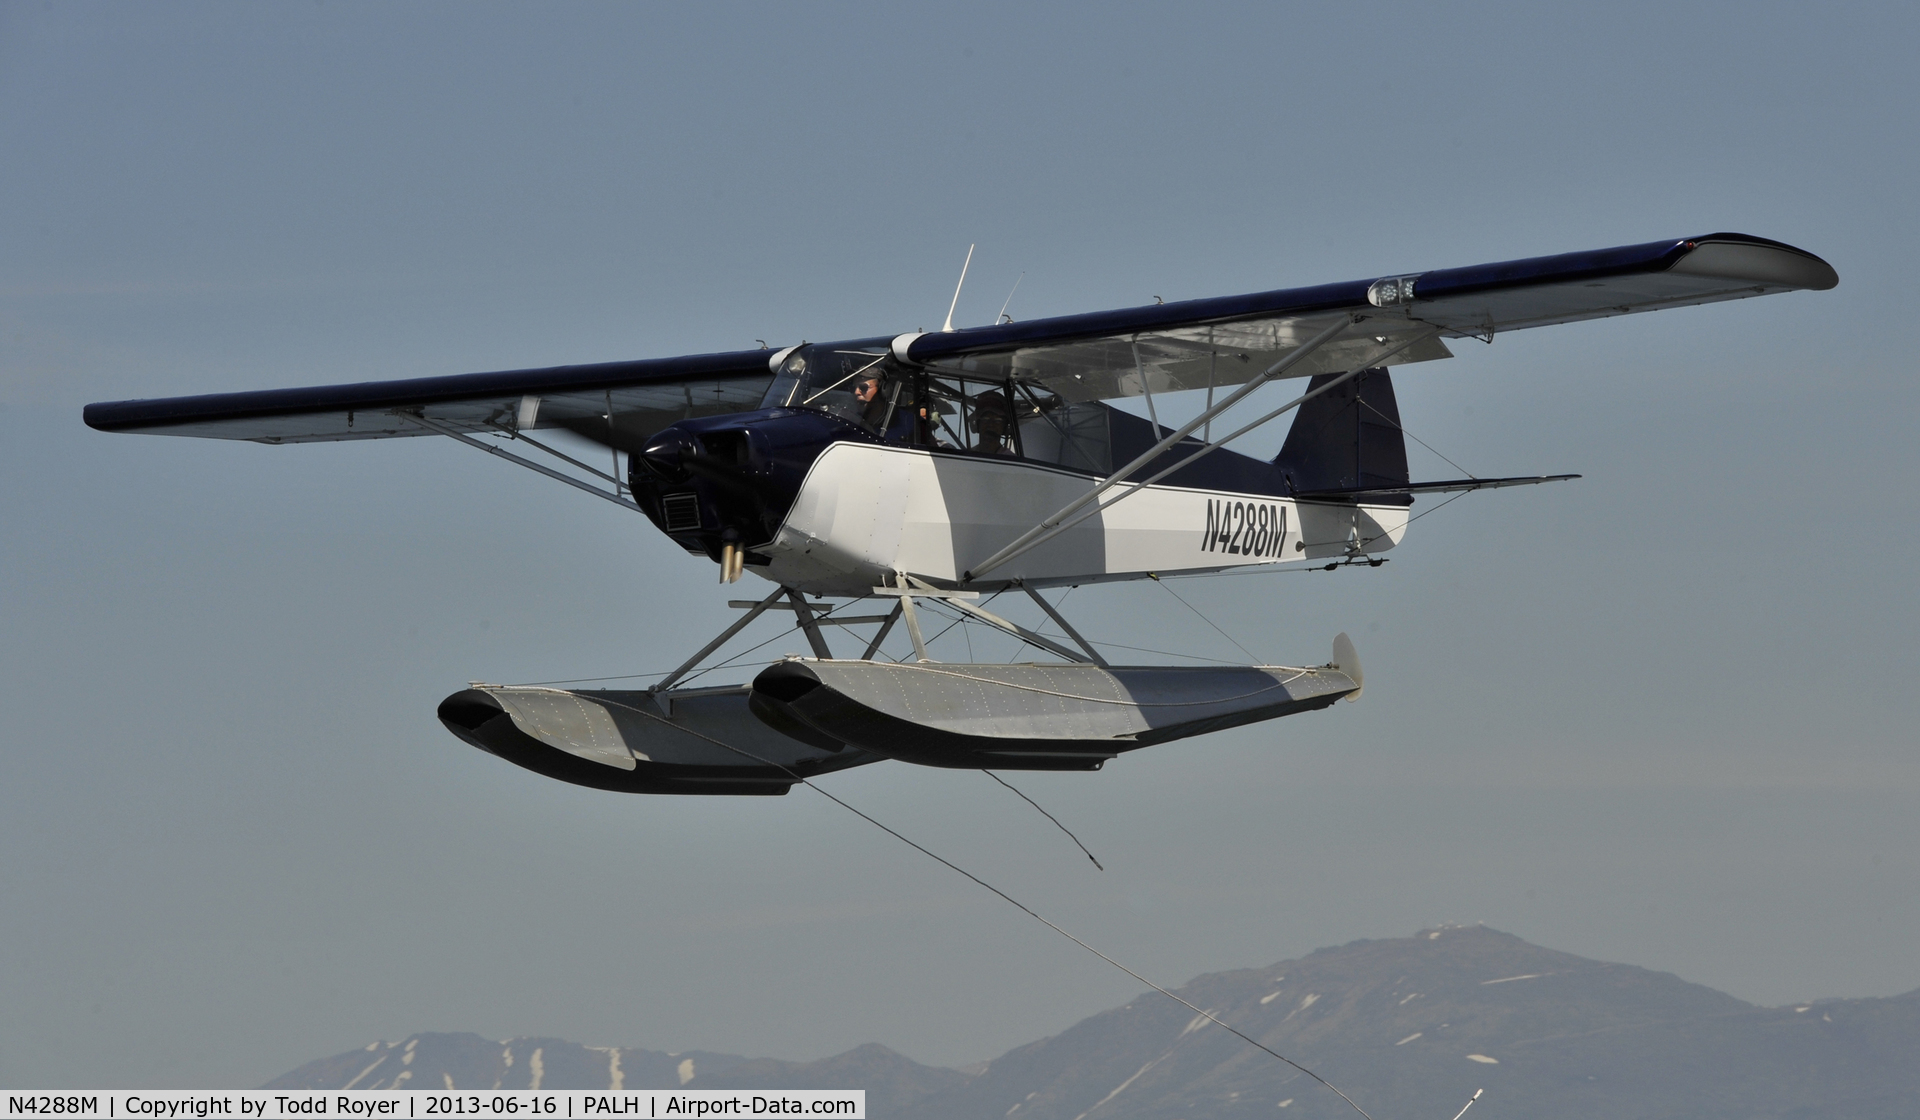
(1661, 715)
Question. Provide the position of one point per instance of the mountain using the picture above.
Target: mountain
(1408, 1027)
(467, 1061)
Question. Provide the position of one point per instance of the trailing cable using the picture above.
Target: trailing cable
(1044, 813)
(1010, 900)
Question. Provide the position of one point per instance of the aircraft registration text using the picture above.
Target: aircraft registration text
(1244, 528)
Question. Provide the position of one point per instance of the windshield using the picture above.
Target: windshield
(857, 383)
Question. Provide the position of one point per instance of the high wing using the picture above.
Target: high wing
(1227, 341)
(615, 403)
(1194, 344)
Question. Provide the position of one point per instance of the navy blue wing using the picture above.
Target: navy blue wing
(642, 397)
(1228, 340)
(1189, 345)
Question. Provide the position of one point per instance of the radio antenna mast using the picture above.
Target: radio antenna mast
(956, 290)
(1003, 307)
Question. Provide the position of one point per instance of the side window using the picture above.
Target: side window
(961, 414)
(942, 415)
(1069, 434)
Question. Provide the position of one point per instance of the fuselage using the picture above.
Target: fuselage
(866, 511)
(830, 495)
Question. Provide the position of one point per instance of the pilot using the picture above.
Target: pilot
(873, 402)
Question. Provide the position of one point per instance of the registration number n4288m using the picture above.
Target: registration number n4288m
(1244, 528)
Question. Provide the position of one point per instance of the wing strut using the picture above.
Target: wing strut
(1032, 536)
(1058, 523)
(450, 430)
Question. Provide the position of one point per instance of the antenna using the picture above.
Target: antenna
(956, 290)
(1003, 307)
(1469, 1104)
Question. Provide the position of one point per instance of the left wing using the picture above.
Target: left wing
(615, 403)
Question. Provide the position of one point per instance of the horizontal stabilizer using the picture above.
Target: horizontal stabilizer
(1436, 487)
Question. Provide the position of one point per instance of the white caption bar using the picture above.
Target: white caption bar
(451, 1104)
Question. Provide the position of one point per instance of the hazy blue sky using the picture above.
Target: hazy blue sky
(1661, 715)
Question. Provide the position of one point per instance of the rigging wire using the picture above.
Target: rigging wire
(1205, 619)
(1298, 671)
(1438, 508)
(1164, 653)
(1108, 645)
(1403, 431)
(1010, 900)
(1044, 813)
(617, 677)
(1041, 627)
(960, 617)
(827, 613)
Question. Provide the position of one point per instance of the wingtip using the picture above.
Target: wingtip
(1807, 271)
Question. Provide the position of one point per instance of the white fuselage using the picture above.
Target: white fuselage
(866, 511)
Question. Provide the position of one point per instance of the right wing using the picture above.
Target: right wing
(1228, 340)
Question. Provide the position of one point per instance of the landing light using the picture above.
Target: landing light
(1391, 291)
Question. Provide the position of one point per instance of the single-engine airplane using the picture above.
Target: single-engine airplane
(922, 470)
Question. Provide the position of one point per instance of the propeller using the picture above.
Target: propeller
(675, 456)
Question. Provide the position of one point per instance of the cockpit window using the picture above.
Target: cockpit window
(855, 383)
(962, 414)
(787, 380)
(1072, 434)
(836, 376)
(943, 409)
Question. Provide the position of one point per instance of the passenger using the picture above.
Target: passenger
(993, 424)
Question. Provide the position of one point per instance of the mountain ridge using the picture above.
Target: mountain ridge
(1406, 1026)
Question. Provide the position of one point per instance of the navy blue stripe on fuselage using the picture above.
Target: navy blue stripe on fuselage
(1217, 470)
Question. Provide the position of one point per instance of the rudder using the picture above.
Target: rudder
(1346, 439)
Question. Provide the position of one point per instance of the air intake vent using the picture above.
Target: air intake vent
(682, 512)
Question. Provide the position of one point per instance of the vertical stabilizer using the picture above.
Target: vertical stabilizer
(1346, 439)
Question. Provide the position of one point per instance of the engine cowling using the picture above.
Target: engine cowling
(732, 479)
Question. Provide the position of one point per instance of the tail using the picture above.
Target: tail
(1345, 440)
